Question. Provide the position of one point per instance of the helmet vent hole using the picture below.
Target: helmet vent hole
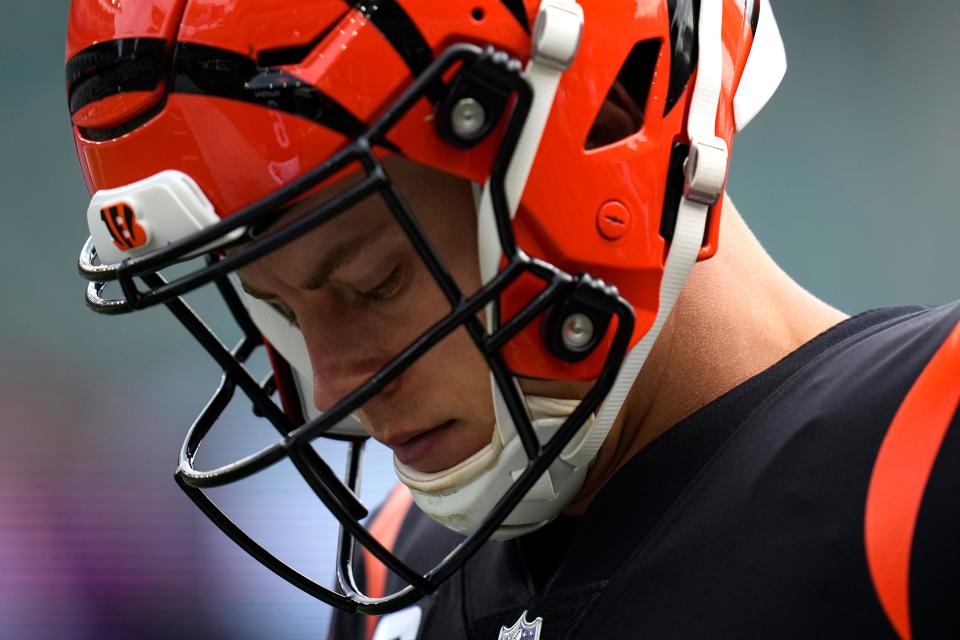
(622, 112)
(478, 14)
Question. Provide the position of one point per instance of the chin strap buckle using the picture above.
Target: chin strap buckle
(705, 170)
(556, 33)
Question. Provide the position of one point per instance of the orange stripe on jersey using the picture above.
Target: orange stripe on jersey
(385, 528)
(900, 476)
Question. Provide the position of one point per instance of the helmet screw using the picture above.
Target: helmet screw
(578, 332)
(467, 118)
(613, 220)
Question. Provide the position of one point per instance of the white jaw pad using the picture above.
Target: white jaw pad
(286, 338)
(764, 71)
(166, 207)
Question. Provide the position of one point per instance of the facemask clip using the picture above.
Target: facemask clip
(575, 327)
(476, 99)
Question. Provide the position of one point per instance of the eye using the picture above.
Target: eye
(387, 288)
(284, 311)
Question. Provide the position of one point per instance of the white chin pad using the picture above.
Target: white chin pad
(462, 496)
(448, 480)
(149, 214)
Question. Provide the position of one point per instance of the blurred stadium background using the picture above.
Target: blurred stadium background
(849, 179)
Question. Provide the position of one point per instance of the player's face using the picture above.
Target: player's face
(360, 294)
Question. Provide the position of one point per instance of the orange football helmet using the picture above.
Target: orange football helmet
(203, 121)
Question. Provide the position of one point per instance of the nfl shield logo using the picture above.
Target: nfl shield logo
(522, 630)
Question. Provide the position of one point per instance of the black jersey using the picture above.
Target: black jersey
(747, 519)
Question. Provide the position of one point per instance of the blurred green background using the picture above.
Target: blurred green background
(849, 178)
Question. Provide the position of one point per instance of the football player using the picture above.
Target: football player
(493, 235)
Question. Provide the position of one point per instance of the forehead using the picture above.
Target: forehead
(356, 233)
(441, 204)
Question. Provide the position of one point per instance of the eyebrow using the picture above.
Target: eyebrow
(340, 255)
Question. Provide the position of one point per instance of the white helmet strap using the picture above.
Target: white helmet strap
(705, 175)
(464, 507)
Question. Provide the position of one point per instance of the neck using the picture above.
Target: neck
(738, 314)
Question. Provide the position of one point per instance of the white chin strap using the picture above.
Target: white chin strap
(705, 174)
(461, 497)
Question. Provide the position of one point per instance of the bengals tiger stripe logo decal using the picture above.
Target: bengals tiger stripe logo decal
(121, 222)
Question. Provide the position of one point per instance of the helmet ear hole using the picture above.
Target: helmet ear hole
(622, 112)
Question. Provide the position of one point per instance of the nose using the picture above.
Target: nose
(341, 361)
(332, 381)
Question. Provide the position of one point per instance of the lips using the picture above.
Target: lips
(418, 448)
